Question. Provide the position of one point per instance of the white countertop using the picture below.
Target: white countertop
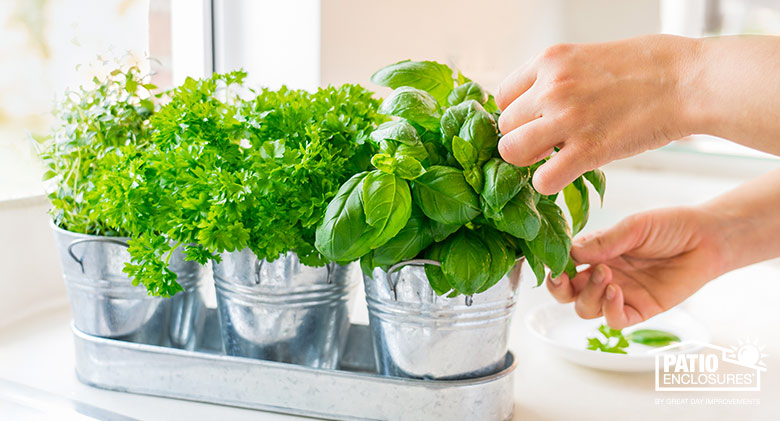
(38, 352)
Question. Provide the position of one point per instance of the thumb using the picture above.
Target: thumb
(605, 245)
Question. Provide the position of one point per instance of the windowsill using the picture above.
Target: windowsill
(703, 160)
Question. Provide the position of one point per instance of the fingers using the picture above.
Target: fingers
(560, 170)
(529, 143)
(565, 290)
(589, 301)
(605, 245)
(618, 314)
(521, 111)
(560, 288)
(516, 83)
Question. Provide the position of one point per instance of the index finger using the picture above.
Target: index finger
(516, 84)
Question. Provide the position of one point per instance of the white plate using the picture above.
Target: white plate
(566, 334)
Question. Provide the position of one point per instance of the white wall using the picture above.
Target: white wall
(485, 39)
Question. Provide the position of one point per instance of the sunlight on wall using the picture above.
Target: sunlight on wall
(44, 41)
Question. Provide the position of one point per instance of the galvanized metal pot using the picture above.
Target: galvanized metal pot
(105, 302)
(419, 334)
(283, 310)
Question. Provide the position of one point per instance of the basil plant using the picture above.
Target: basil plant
(439, 190)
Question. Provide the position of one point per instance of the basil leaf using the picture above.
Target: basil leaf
(383, 162)
(464, 151)
(491, 107)
(417, 151)
(398, 130)
(651, 337)
(598, 180)
(465, 262)
(536, 265)
(553, 243)
(453, 118)
(519, 217)
(442, 231)
(465, 92)
(436, 279)
(444, 196)
(413, 238)
(432, 77)
(387, 203)
(414, 105)
(481, 130)
(341, 237)
(502, 182)
(367, 264)
(408, 168)
(578, 202)
(405, 167)
(502, 260)
(571, 268)
(475, 178)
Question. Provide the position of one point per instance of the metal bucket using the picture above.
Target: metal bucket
(419, 334)
(283, 310)
(105, 302)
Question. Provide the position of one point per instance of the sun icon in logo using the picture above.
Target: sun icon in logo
(749, 352)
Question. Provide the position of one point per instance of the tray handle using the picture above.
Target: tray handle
(90, 240)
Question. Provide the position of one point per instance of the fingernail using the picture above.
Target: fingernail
(555, 281)
(611, 291)
(598, 275)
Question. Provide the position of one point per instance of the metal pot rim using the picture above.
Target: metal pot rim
(419, 263)
(57, 228)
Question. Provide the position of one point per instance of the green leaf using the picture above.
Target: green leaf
(465, 262)
(502, 260)
(536, 265)
(413, 238)
(436, 279)
(598, 180)
(384, 162)
(342, 235)
(480, 129)
(414, 105)
(453, 119)
(441, 231)
(465, 92)
(475, 178)
(387, 203)
(613, 341)
(571, 268)
(578, 202)
(432, 77)
(652, 337)
(397, 130)
(444, 196)
(465, 152)
(409, 168)
(502, 182)
(519, 217)
(553, 243)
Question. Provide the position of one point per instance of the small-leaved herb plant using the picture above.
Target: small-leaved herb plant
(96, 125)
(230, 168)
(439, 190)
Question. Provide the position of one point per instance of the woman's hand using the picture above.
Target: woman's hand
(645, 265)
(596, 102)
